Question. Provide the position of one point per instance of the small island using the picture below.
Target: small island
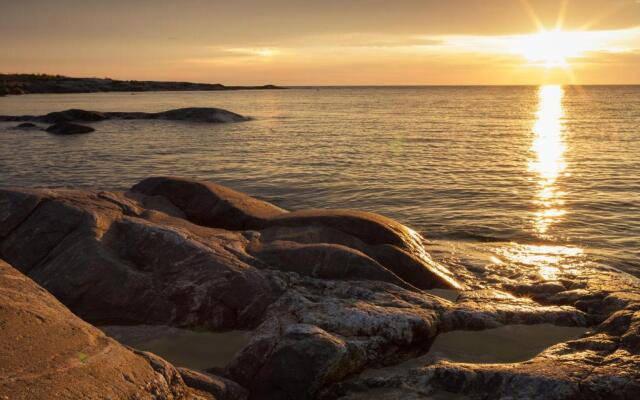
(16, 84)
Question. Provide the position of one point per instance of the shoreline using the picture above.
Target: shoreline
(327, 294)
(21, 84)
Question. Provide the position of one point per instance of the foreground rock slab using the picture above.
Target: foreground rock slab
(328, 293)
(47, 352)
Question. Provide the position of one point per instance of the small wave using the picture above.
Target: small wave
(469, 236)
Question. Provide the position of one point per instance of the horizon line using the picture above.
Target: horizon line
(333, 85)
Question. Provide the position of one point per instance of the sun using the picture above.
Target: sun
(552, 48)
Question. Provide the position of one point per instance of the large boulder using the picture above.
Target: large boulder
(391, 244)
(369, 227)
(95, 254)
(356, 238)
(47, 352)
(306, 357)
(323, 260)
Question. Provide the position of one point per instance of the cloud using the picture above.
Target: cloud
(365, 48)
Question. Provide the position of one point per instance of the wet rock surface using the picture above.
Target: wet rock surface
(191, 114)
(327, 293)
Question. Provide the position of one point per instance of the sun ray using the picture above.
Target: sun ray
(561, 14)
(609, 12)
(532, 14)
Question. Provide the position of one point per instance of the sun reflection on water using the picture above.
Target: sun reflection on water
(547, 262)
(548, 147)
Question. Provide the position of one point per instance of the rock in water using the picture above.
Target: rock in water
(26, 126)
(67, 128)
(190, 114)
(201, 114)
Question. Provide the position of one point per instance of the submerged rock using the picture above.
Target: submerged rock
(26, 126)
(67, 128)
(327, 293)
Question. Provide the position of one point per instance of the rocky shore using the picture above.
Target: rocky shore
(337, 302)
(15, 84)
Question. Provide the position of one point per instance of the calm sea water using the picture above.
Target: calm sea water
(544, 177)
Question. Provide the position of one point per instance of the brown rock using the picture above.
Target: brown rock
(110, 266)
(324, 261)
(221, 388)
(47, 352)
(317, 286)
(208, 204)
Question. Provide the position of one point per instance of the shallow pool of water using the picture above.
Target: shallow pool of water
(181, 347)
(506, 344)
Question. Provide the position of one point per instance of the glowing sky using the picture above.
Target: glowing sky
(303, 42)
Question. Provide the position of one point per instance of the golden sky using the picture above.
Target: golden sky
(330, 42)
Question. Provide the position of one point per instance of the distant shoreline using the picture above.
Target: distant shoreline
(19, 84)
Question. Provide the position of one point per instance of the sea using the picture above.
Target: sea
(542, 177)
